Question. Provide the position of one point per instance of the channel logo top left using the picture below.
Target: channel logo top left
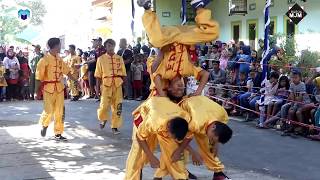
(24, 14)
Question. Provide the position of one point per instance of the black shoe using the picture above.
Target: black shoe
(44, 131)
(220, 176)
(146, 4)
(285, 133)
(192, 176)
(58, 137)
(115, 131)
(103, 124)
(157, 178)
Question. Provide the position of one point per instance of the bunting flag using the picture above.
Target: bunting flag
(133, 14)
(265, 60)
(183, 12)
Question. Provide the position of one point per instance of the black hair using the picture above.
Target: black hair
(284, 78)
(80, 50)
(86, 54)
(233, 51)
(72, 46)
(215, 46)
(173, 98)
(178, 127)
(53, 42)
(223, 131)
(109, 41)
(254, 51)
(274, 75)
(296, 72)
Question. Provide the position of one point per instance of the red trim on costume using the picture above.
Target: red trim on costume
(138, 121)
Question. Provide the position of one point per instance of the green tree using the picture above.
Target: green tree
(10, 25)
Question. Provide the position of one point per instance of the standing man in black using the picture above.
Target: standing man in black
(127, 56)
(97, 51)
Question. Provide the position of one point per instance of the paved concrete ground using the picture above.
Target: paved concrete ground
(96, 154)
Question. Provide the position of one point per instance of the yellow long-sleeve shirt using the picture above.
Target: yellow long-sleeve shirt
(3, 82)
(110, 69)
(152, 117)
(84, 72)
(203, 112)
(73, 60)
(50, 71)
(176, 62)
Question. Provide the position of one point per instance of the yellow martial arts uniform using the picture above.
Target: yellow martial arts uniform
(3, 82)
(111, 70)
(84, 72)
(73, 60)
(150, 124)
(165, 83)
(205, 30)
(204, 112)
(176, 62)
(50, 70)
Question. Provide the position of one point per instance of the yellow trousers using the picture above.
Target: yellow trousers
(137, 158)
(210, 160)
(74, 89)
(205, 30)
(53, 107)
(111, 97)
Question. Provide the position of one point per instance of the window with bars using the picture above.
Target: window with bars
(238, 7)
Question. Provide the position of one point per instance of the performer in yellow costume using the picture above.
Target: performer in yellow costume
(73, 60)
(50, 71)
(209, 120)
(110, 71)
(168, 126)
(175, 42)
(3, 82)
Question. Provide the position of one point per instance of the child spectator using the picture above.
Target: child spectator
(296, 97)
(305, 114)
(3, 82)
(217, 75)
(280, 97)
(271, 87)
(137, 74)
(214, 55)
(224, 59)
(240, 90)
(84, 78)
(24, 78)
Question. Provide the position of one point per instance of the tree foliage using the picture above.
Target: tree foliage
(10, 25)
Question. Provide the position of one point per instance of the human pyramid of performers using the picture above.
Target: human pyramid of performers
(168, 118)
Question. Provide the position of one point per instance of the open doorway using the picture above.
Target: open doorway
(236, 31)
(252, 27)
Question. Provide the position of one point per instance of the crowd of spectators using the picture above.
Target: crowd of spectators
(291, 102)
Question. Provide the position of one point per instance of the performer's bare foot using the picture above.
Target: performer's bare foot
(146, 4)
(199, 3)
